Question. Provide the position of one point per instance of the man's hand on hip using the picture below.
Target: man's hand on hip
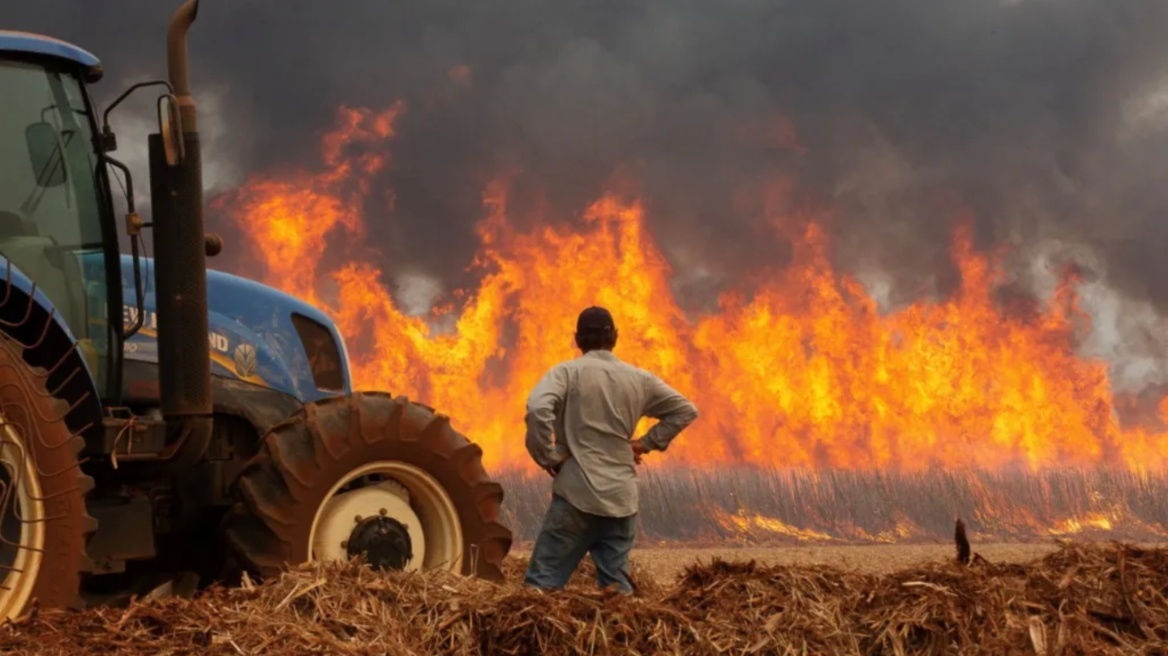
(639, 450)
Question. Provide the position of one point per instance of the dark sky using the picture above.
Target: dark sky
(1039, 116)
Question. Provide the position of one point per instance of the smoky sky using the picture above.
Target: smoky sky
(1038, 118)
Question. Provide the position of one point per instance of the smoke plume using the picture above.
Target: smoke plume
(1045, 121)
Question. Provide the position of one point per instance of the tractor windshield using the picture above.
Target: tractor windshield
(51, 205)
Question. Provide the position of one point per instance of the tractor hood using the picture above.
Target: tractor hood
(258, 334)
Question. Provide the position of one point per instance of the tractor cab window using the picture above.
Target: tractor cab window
(51, 206)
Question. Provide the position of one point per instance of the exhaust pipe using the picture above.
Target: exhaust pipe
(180, 268)
(176, 62)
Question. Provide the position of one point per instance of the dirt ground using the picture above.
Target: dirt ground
(665, 563)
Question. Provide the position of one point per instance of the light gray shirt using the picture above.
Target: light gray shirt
(591, 405)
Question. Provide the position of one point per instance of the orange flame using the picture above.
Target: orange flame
(800, 370)
(750, 526)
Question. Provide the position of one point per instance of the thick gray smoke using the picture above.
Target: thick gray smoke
(1048, 119)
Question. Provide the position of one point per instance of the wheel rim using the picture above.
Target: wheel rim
(22, 522)
(397, 491)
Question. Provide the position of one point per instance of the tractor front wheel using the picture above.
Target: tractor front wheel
(373, 476)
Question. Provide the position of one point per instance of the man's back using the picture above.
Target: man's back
(597, 402)
(580, 418)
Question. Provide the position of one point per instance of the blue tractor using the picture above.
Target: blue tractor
(157, 418)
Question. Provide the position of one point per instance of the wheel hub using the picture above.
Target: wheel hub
(384, 542)
(418, 504)
(348, 524)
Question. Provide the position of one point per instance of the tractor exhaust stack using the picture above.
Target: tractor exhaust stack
(176, 62)
(180, 271)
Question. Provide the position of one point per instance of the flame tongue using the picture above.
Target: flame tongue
(800, 369)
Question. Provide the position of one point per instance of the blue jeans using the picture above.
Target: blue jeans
(567, 534)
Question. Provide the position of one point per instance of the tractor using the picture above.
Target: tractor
(163, 422)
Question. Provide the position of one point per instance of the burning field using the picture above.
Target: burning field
(798, 367)
(906, 258)
(1078, 600)
(826, 415)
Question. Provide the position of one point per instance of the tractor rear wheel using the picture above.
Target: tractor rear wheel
(43, 523)
(374, 476)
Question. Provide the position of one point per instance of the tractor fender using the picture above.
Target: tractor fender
(30, 318)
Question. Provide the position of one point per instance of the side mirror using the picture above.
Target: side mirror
(170, 128)
(45, 154)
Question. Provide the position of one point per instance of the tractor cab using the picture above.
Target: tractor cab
(56, 223)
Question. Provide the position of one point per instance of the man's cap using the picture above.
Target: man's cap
(594, 320)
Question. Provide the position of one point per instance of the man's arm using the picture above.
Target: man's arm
(548, 394)
(672, 410)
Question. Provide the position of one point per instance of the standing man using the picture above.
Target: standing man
(592, 405)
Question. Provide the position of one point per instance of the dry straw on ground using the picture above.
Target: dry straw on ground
(1079, 600)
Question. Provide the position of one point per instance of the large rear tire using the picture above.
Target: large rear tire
(44, 526)
(373, 475)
